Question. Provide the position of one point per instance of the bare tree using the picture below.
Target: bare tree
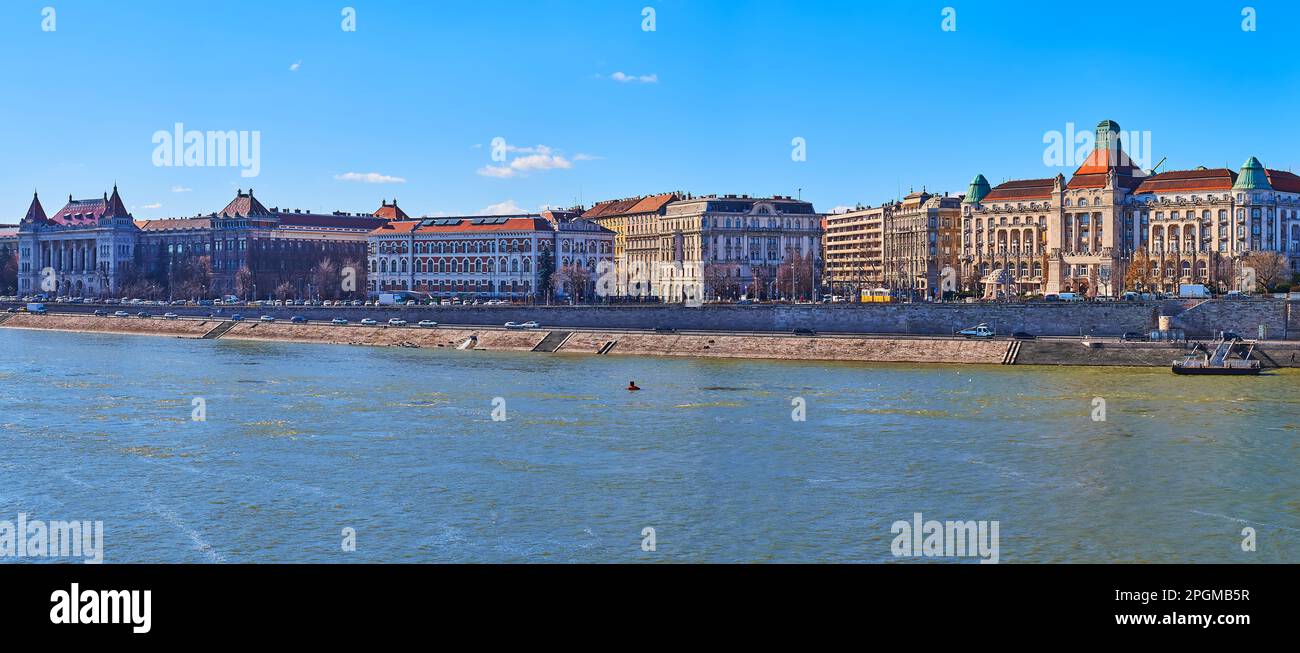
(1270, 268)
(244, 282)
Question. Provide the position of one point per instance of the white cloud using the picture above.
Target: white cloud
(507, 207)
(181, 189)
(370, 178)
(527, 159)
(500, 172)
(540, 162)
(293, 67)
(586, 157)
(621, 76)
(155, 205)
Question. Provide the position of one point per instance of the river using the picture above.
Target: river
(300, 446)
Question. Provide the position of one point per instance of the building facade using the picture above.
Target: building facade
(635, 222)
(95, 248)
(853, 246)
(1084, 234)
(500, 257)
(922, 243)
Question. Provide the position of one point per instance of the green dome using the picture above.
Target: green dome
(1252, 176)
(978, 189)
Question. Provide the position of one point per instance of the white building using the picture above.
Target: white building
(489, 256)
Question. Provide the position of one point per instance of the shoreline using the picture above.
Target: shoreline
(588, 341)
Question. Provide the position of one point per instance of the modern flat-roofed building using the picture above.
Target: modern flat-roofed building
(853, 247)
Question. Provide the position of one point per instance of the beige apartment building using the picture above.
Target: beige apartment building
(922, 243)
(728, 246)
(853, 246)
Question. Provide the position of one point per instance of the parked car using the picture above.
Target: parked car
(981, 330)
(428, 324)
(338, 321)
(397, 322)
(266, 318)
(298, 319)
(368, 322)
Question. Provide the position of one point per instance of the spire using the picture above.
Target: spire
(1252, 176)
(35, 212)
(978, 189)
(115, 208)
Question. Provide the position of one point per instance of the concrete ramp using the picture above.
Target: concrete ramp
(219, 330)
(553, 341)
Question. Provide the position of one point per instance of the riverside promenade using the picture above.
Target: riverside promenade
(860, 347)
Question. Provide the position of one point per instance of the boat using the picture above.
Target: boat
(1218, 363)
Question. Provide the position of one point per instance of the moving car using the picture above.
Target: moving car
(981, 330)
(514, 325)
(338, 321)
(428, 324)
(803, 331)
(1023, 335)
(266, 318)
(170, 316)
(298, 319)
(121, 314)
(397, 321)
(233, 318)
(99, 312)
(1133, 336)
(368, 322)
(143, 314)
(531, 324)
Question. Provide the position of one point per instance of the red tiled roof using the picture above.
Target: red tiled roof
(328, 221)
(1021, 189)
(174, 224)
(244, 205)
(391, 211)
(1099, 163)
(467, 224)
(1283, 181)
(1187, 181)
(647, 204)
(81, 212)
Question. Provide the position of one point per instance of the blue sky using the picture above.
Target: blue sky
(885, 99)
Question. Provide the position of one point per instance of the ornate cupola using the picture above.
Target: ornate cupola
(977, 190)
(1252, 176)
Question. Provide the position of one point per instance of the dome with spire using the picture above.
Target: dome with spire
(1252, 176)
(978, 190)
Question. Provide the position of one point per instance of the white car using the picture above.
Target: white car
(531, 324)
(397, 321)
(368, 322)
(121, 314)
(266, 318)
(170, 316)
(514, 325)
(428, 324)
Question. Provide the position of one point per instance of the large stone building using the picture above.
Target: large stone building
(1083, 234)
(679, 247)
(95, 248)
(922, 243)
(633, 220)
(497, 257)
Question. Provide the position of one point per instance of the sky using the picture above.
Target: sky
(585, 104)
